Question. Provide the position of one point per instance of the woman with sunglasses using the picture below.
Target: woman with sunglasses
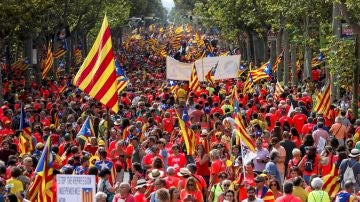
(275, 188)
(217, 189)
(191, 189)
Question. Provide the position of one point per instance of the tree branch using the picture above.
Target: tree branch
(345, 14)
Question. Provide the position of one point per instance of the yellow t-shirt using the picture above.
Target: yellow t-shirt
(16, 185)
(181, 94)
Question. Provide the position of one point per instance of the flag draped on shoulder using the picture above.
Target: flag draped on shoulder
(240, 128)
(194, 80)
(210, 76)
(25, 140)
(40, 189)
(122, 80)
(323, 100)
(48, 62)
(331, 184)
(187, 134)
(87, 130)
(97, 75)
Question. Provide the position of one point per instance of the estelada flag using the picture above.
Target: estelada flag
(97, 75)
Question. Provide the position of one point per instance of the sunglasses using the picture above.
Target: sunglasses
(273, 185)
(191, 184)
(222, 176)
(226, 185)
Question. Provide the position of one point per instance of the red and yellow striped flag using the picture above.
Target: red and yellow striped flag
(97, 76)
(194, 80)
(240, 128)
(48, 62)
(323, 100)
(188, 134)
(278, 90)
(331, 184)
(277, 62)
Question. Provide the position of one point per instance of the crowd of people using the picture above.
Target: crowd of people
(296, 148)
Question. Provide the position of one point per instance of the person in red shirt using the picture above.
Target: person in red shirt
(308, 128)
(171, 179)
(148, 158)
(141, 187)
(299, 119)
(92, 147)
(216, 108)
(285, 121)
(191, 191)
(217, 166)
(176, 160)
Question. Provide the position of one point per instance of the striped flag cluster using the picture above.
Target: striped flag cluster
(194, 80)
(20, 65)
(331, 184)
(176, 41)
(40, 189)
(278, 90)
(97, 75)
(240, 128)
(187, 133)
(248, 84)
(25, 140)
(210, 76)
(323, 100)
(48, 62)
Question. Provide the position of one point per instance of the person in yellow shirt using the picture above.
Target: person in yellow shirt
(181, 93)
(299, 190)
(16, 187)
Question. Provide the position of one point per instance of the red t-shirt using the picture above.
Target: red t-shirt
(217, 167)
(299, 120)
(177, 161)
(148, 159)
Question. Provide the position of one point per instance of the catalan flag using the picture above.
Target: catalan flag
(278, 90)
(25, 139)
(78, 56)
(241, 130)
(40, 189)
(210, 76)
(258, 74)
(277, 62)
(194, 80)
(61, 50)
(242, 69)
(318, 60)
(87, 130)
(122, 80)
(331, 184)
(172, 85)
(179, 30)
(87, 195)
(248, 84)
(187, 134)
(176, 41)
(101, 164)
(20, 65)
(323, 100)
(97, 75)
(48, 62)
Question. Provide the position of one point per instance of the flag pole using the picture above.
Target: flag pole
(108, 126)
(202, 68)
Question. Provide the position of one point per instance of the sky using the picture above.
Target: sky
(168, 4)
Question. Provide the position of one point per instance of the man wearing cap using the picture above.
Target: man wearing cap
(351, 163)
(140, 187)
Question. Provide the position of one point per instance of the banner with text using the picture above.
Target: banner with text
(75, 188)
(228, 67)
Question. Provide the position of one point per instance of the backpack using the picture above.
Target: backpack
(309, 165)
(349, 174)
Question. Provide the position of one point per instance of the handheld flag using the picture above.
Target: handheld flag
(194, 80)
(48, 62)
(101, 164)
(277, 62)
(331, 184)
(278, 90)
(172, 85)
(248, 84)
(187, 134)
(40, 189)
(61, 50)
(87, 130)
(122, 80)
(241, 130)
(323, 100)
(210, 76)
(97, 75)
(25, 140)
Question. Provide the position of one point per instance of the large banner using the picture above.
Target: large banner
(228, 67)
(75, 188)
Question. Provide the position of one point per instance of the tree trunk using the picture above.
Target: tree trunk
(272, 52)
(293, 64)
(278, 52)
(28, 46)
(8, 63)
(249, 50)
(255, 46)
(355, 95)
(68, 55)
(266, 55)
(286, 56)
(336, 28)
(307, 53)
